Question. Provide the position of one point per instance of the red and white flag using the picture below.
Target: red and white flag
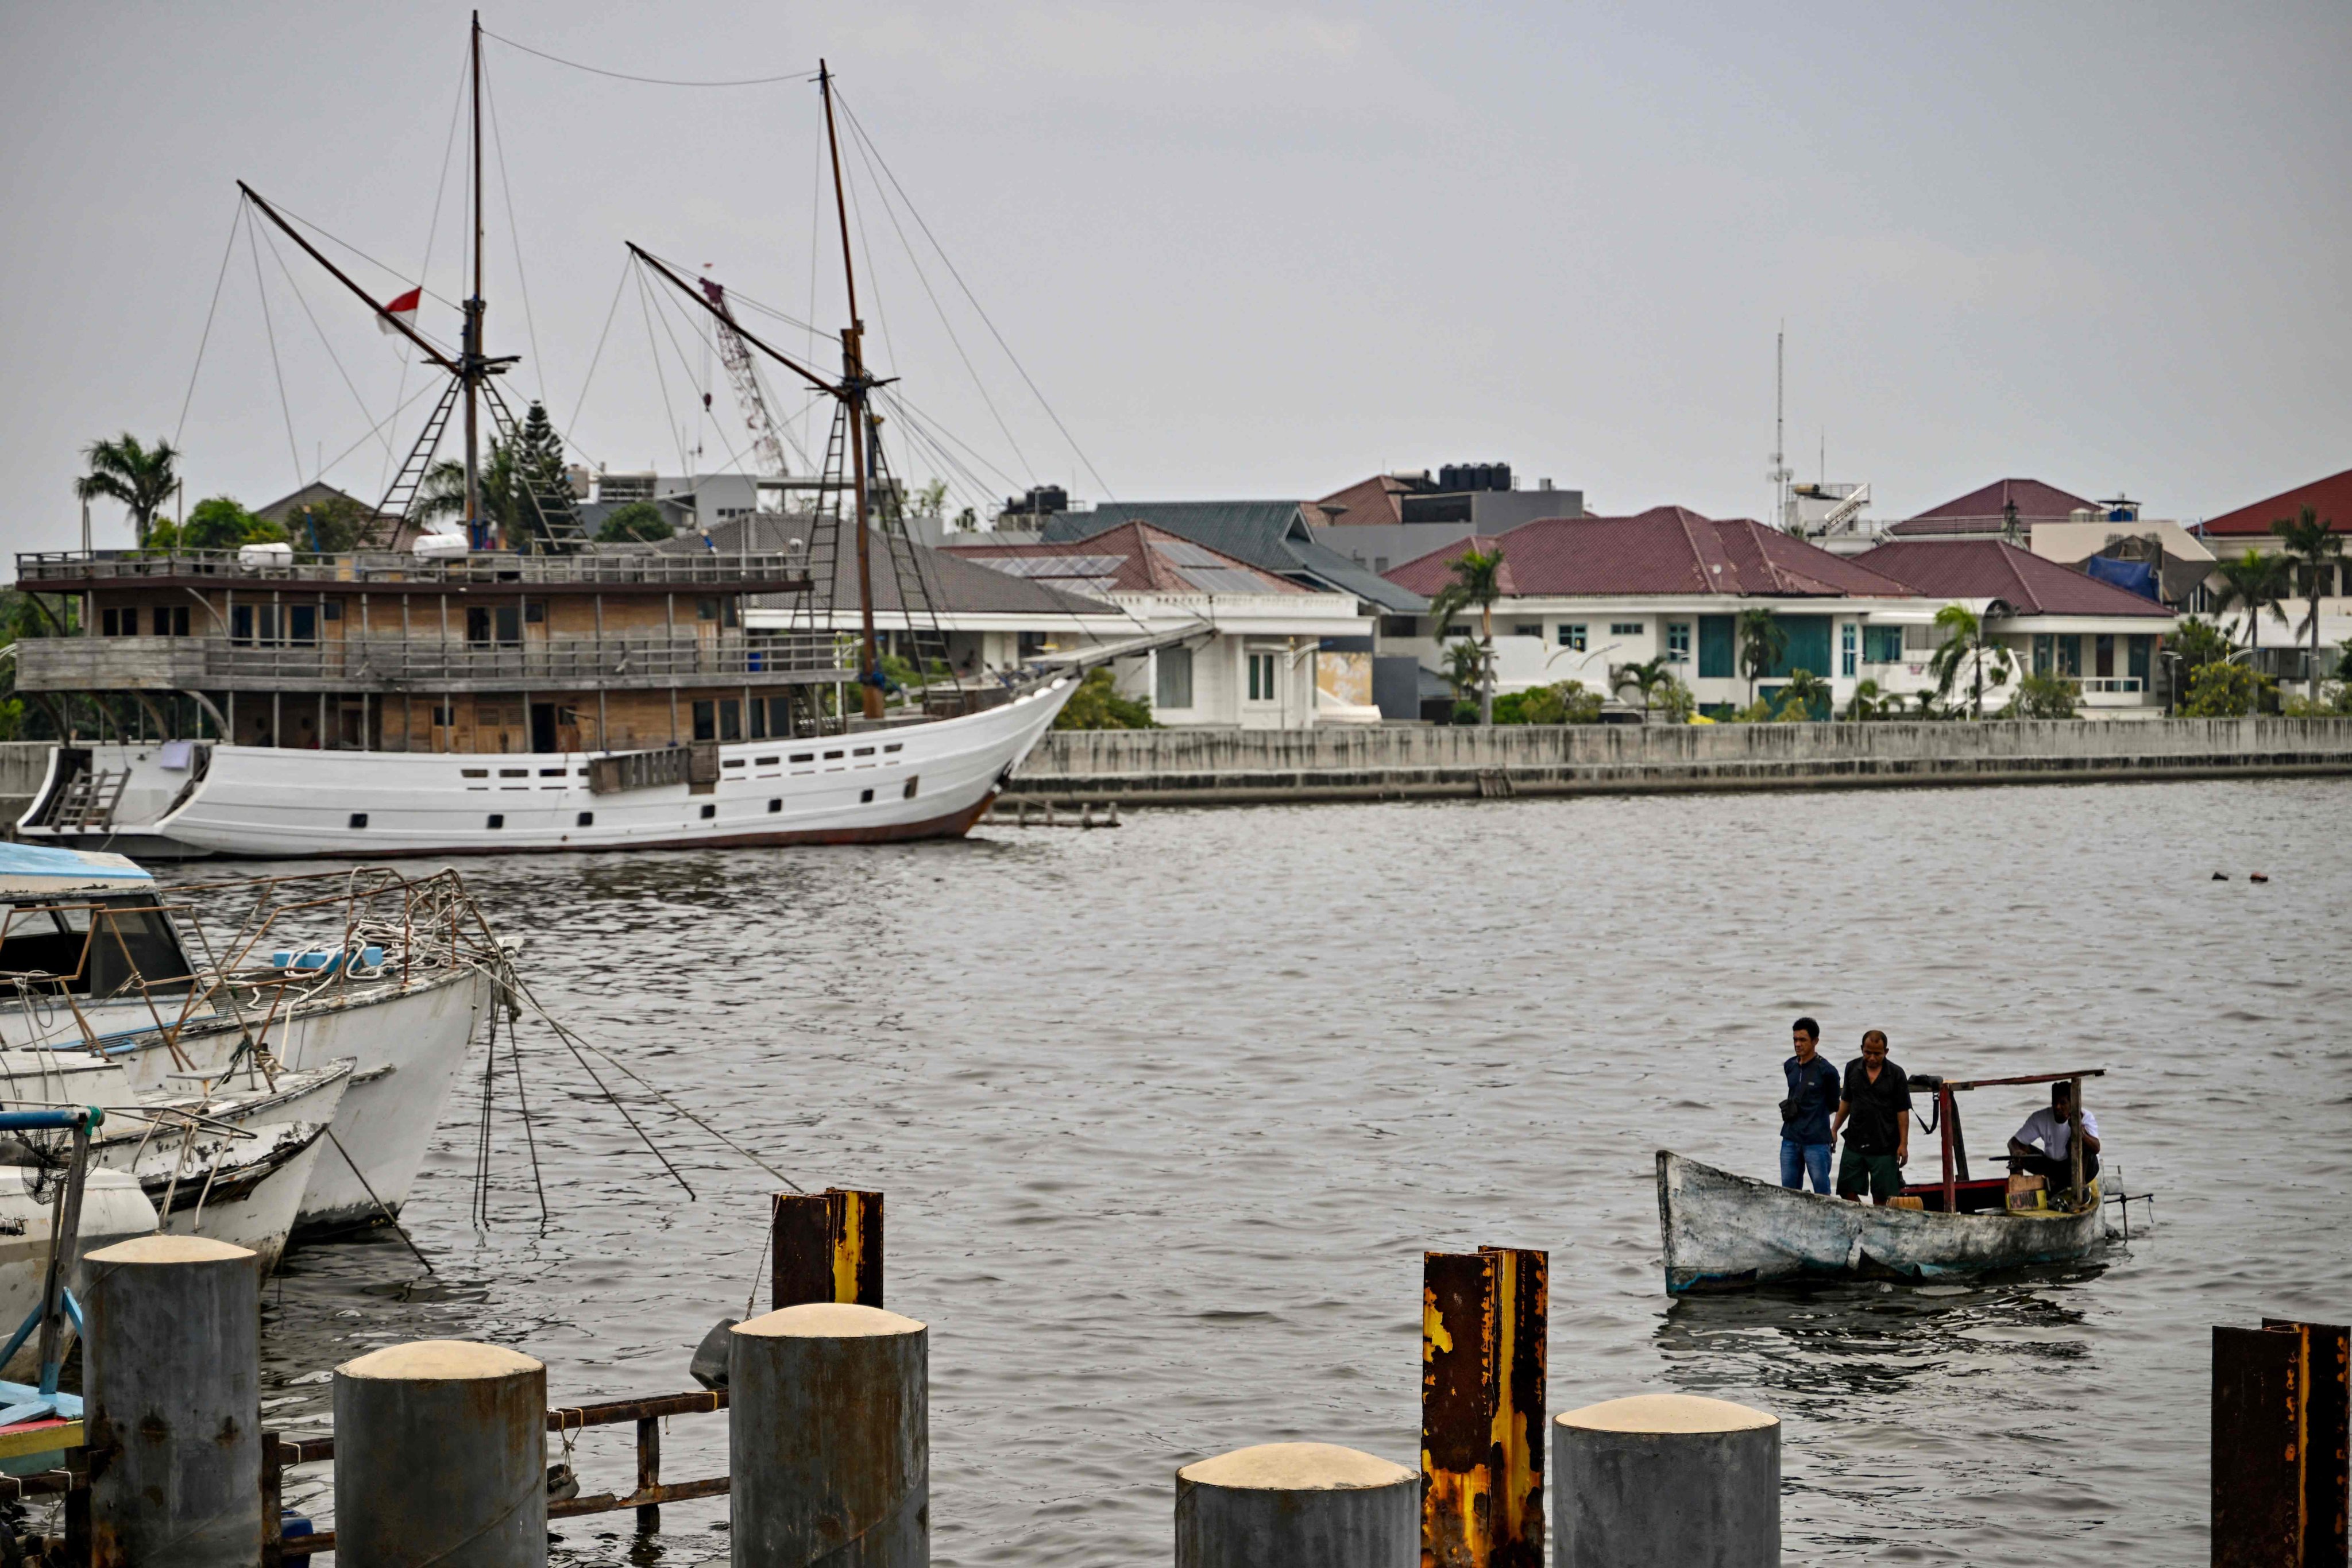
(402, 310)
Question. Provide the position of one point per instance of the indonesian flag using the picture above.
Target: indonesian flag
(402, 311)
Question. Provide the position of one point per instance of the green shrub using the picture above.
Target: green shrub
(2043, 697)
(2223, 691)
(1563, 702)
(1096, 705)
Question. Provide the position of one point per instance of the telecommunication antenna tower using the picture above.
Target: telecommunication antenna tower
(766, 444)
(1781, 474)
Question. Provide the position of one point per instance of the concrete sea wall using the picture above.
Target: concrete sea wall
(1404, 761)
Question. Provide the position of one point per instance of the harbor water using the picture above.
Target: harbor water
(1167, 1115)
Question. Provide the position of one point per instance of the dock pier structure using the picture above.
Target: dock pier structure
(172, 1421)
(1297, 1505)
(441, 1457)
(829, 1438)
(1667, 1480)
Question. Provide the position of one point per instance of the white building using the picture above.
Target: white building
(1583, 596)
(1266, 652)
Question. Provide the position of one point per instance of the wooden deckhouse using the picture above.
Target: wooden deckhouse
(595, 650)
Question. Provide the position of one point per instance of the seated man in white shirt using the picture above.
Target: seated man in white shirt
(2042, 1147)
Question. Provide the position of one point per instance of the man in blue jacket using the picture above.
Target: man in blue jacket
(1813, 1087)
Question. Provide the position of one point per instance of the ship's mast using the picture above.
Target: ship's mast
(855, 384)
(472, 353)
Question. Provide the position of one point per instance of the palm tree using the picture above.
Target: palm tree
(1870, 700)
(1477, 580)
(1970, 640)
(1465, 668)
(2258, 582)
(1805, 693)
(1762, 642)
(2313, 546)
(141, 477)
(1648, 678)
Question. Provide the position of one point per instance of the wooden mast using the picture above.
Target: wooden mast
(472, 353)
(855, 384)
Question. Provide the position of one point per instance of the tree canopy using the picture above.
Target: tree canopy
(639, 521)
(141, 477)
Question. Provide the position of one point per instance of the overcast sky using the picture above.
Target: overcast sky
(1242, 249)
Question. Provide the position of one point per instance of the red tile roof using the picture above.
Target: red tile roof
(1132, 557)
(1985, 511)
(2330, 497)
(1367, 500)
(1995, 569)
(1666, 550)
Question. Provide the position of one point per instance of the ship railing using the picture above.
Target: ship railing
(230, 935)
(772, 571)
(195, 663)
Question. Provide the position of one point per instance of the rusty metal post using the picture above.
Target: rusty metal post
(648, 1473)
(828, 1248)
(2279, 1446)
(2327, 1443)
(441, 1457)
(1667, 1480)
(802, 1248)
(1457, 1377)
(173, 1418)
(1297, 1505)
(1484, 1321)
(828, 1437)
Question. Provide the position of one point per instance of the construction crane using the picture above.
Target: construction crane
(767, 445)
(1848, 507)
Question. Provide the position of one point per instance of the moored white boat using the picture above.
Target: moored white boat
(228, 1158)
(401, 1013)
(1729, 1232)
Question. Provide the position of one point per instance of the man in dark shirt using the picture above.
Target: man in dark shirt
(1813, 1093)
(1875, 1112)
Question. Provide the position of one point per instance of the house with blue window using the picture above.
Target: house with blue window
(2055, 619)
(1583, 596)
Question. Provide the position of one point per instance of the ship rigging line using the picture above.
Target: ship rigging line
(336, 360)
(514, 235)
(890, 211)
(648, 80)
(858, 131)
(270, 332)
(226, 251)
(619, 288)
(425, 267)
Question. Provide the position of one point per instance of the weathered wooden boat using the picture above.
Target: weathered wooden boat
(1729, 1232)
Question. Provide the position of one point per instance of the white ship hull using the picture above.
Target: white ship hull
(915, 781)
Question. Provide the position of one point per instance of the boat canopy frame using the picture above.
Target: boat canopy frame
(1955, 1142)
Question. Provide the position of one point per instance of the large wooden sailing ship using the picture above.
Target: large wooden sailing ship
(516, 687)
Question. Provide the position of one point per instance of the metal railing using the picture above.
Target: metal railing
(684, 569)
(396, 664)
(279, 1455)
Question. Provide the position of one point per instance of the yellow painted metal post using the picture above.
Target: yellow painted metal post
(1522, 1314)
(856, 1245)
(1484, 1319)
